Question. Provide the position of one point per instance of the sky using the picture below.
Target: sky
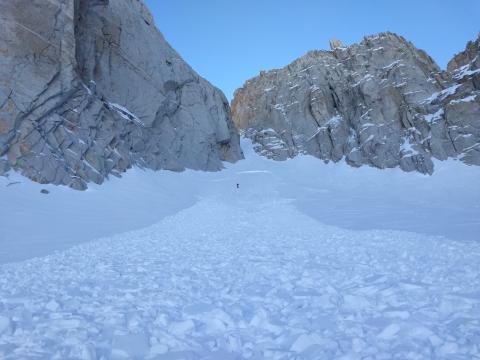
(231, 41)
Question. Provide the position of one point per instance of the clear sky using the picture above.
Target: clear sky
(230, 41)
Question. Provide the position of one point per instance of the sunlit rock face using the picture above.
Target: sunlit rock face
(90, 88)
(382, 103)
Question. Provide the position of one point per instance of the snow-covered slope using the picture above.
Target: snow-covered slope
(447, 203)
(257, 272)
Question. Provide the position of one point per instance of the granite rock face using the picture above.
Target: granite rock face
(462, 109)
(90, 88)
(382, 103)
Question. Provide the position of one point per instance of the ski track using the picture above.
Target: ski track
(245, 280)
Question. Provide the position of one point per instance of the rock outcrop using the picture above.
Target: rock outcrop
(382, 103)
(90, 88)
(335, 44)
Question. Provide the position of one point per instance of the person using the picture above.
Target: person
(238, 186)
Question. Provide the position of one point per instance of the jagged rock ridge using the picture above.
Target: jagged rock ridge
(382, 103)
(90, 88)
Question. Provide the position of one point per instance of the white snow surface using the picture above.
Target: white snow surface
(406, 149)
(443, 94)
(466, 71)
(304, 261)
(125, 113)
(431, 118)
(465, 99)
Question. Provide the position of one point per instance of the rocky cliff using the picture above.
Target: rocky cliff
(382, 103)
(90, 88)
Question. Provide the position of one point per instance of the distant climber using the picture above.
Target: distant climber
(238, 186)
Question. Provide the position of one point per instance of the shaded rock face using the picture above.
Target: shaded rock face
(381, 103)
(90, 88)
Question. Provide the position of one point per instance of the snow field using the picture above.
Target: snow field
(252, 280)
(202, 270)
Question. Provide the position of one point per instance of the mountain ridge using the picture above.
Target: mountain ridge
(381, 102)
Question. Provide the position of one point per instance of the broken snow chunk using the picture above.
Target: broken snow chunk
(4, 325)
(390, 332)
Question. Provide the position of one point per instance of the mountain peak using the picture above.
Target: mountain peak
(381, 102)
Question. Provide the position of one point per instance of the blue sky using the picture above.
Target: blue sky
(230, 41)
